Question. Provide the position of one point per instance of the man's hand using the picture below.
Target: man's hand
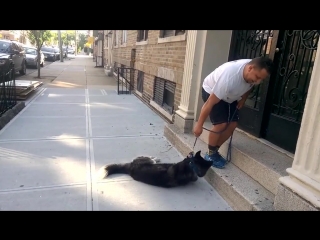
(205, 111)
(244, 98)
(197, 130)
(241, 103)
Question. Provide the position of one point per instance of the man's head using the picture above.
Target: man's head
(257, 69)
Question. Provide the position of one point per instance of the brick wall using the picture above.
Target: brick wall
(122, 54)
(165, 60)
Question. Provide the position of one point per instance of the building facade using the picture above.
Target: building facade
(167, 68)
(157, 57)
(17, 35)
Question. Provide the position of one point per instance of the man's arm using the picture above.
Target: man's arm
(218, 92)
(244, 98)
(205, 111)
(206, 108)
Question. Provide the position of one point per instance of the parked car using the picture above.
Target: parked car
(64, 49)
(70, 50)
(57, 50)
(14, 50)
(32, 57)
(49, 53)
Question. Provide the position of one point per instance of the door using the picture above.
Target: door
(296, 51)
(251, 44)
(16, 57)
(274, 110)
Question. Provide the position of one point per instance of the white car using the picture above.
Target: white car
(70, 50)
(32, 57)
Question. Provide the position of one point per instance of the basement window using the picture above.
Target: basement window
(140, 81)
(164, 94)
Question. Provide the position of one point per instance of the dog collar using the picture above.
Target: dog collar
(192, 165)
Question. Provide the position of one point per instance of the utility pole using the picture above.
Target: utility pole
(60, 46)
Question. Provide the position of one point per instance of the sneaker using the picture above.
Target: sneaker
(217, 160)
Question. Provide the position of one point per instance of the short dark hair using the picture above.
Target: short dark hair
(263, 63)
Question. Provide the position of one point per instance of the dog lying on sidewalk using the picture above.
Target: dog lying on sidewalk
(148, 170)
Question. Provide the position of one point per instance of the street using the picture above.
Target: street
(31, 70)
(32, 73)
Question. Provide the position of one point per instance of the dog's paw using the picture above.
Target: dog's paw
(157, 160)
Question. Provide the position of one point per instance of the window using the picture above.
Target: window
(164, 94)
(15, 47)
(4, 46)
(124, 36)
(115, 43)
(170, 33)
(47, 49)
(140, 81)
(31, 51)
(142, 35)
(20, 47)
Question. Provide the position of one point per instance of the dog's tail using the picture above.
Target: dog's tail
(114, 169)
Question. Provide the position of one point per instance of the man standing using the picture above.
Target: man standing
(224, 92)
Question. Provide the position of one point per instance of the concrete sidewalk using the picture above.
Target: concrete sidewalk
(51, 151)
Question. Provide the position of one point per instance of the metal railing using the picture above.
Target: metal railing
(8, 97)
(125, 78)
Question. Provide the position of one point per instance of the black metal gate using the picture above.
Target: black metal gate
(274, 109)
(8, 97)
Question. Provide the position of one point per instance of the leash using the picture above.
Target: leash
(219, 132)
(194, 144)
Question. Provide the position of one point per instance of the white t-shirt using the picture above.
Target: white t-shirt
(227, 81)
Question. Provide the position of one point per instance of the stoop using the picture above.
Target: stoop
(249, 182)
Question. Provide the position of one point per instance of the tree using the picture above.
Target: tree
(67, 37)
(37, 38)
(82, 40)
(54, 40)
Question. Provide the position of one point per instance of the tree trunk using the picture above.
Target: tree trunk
(38, 60)
(38, 65)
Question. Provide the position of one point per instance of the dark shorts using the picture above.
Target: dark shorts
(222, 112)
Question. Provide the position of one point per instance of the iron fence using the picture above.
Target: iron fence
(7, 86)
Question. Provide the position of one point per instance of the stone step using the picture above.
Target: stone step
(240, 190)
(262, 161)
(124, 92)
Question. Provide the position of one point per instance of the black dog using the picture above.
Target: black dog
(149, 171)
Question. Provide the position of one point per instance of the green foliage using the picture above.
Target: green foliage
(82, 40)
(54, 38)
(64, 34)
(68, 36)
(38, 37)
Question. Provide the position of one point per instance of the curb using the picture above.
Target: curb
(10, 114)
